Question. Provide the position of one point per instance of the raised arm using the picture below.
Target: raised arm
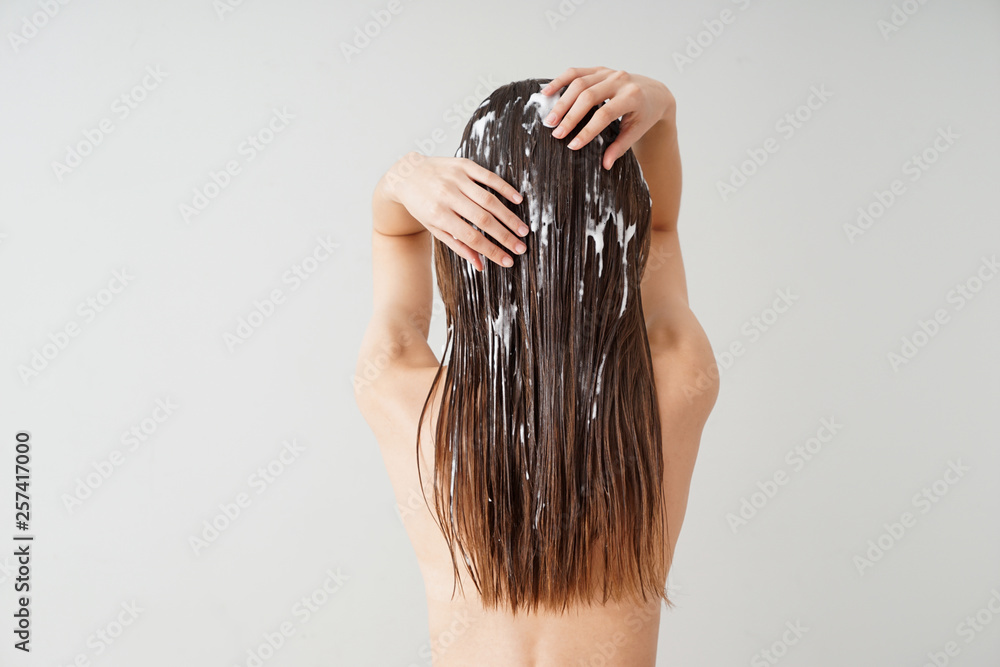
(648, 112)
(416, 198)
(402, 295)
(669, 319)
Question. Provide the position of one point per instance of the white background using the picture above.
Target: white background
(329, 518)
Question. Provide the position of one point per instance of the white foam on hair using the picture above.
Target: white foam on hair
(597, 233)
(629, 233)
(548, 217)
(501, 324)
(527, 191)
(624, 236)
(478, 135)
(543, 103)
(600, 369)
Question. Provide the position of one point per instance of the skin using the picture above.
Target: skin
(424, 196)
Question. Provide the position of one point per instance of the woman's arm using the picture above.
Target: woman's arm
(664, 284)
(402, 293)
(648, 112)
(416, 198)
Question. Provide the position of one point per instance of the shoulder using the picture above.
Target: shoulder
(392, 398)
(684, 367)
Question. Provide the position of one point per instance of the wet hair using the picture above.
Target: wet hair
(548, 463)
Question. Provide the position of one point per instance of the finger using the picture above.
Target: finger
(629, 134)
(496, 208)
(567, 103)
(600, 120)
(567, 76)
(475, 239)
(460, 249)
(481, 174)
(487, 224)
(584, 102)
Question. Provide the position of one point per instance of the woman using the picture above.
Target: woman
(558, 434)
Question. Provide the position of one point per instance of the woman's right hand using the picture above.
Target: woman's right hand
(639, 100)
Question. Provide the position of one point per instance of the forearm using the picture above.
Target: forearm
(659, 156)
(389, 216)
(402, 291)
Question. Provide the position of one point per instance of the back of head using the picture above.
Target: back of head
(548, 460)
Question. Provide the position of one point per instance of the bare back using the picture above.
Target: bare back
(461, 631)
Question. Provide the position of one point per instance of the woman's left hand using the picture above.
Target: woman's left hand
(439, 192)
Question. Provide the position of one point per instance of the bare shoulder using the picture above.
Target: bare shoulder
(687, 385)
(392, 404)
(684, 368)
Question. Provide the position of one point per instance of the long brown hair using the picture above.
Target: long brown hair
(548, 460)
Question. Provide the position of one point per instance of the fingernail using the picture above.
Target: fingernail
(520, 247)
(575, 143)
(507, 261)
(524, 230)
(518, 198)
(550, 119)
